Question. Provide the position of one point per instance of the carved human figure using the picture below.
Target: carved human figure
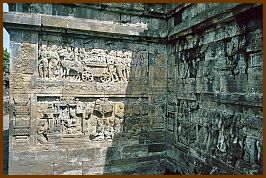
(92, 126)
(139, 69)
(62, 51)
(193, 68)
(221, 141)
(179, 127)
(79, 54)
(144, 124)
(108, 128)
(80, 107)
(183, 69)
(112, 70)
(117, 125)
(43, 63)
(98, 133)
(259, 148)
(206, 69)
(127, 67)
(53, 58)
(75, 126)
(119, 110)
(111, 57)
(119, 70)
(203, 135)
(56, 106)
(63, 117)
(69, 54)
(88, 110)
(213, 129)
(42, 130)
(241, 65)
(249, 150)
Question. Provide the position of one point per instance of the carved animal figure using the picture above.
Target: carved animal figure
(75, 65)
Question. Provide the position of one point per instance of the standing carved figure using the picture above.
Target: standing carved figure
(119, 70)
(221, 141)
(43, 63)
(112, 70)
(53, 59)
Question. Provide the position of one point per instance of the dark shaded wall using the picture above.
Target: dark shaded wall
(214, 91)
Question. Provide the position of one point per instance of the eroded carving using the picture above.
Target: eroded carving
(98, 120)
(84, 64)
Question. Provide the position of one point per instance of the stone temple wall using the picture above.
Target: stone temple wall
(135, 88)
(214, 90)
(86, 91)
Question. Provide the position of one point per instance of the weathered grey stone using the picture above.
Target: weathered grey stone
(137, 88)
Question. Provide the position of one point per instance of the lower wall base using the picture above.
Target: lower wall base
(89, 161)
(184, 162)
(85, 168)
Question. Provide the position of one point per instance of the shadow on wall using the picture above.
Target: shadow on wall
(6, 151)
(137, 140)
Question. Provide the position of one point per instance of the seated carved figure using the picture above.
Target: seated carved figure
(92, 125)
(42, 132)
(108, 129)
(76, 126)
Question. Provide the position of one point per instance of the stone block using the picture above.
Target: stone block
(68, 168)
(79, 155)
(24, 19)
(77, 110)
(58, 22)
(30, 37)
(157, 137)
(156, 148)
(134, 151)
(29, 168)
(97, 170)
(113, 153)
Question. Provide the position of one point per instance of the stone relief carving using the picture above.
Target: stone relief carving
(21, 113)
(23, 63)
(42, 132)
(99, 119)
(225, 133)
(83, 64)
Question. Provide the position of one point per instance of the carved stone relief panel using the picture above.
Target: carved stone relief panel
(84, 60)
(96, 119)
(20, 118)
(23, 63)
